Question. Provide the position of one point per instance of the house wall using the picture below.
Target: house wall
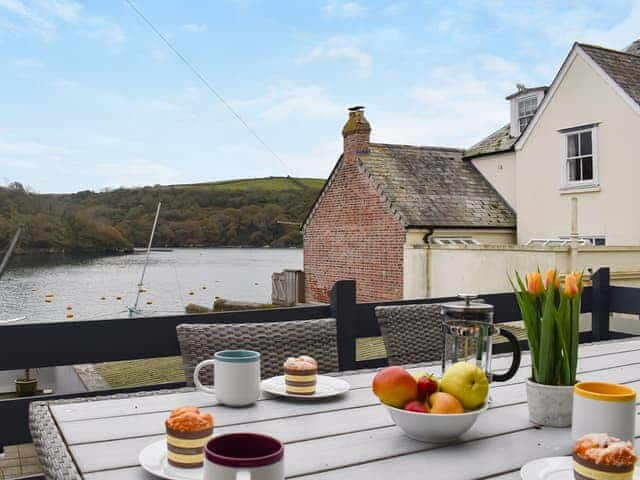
(416, 281)
(485, 268)
(500, 170)
(543, 206)
(352, 235)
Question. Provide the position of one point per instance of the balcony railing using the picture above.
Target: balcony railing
(69, 343)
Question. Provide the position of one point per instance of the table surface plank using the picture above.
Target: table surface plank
(350, 436)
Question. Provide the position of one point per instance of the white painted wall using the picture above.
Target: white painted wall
(500, 170)
(543, 206)
(485, 268)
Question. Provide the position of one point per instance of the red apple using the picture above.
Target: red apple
(426, 386)
(416, 406)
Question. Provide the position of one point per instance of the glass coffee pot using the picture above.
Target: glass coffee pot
(468, 334)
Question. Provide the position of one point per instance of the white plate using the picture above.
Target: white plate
(325, 387)
(552, 468)
(153, 458)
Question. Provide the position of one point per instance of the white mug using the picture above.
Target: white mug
(236, 376)
(243, 456)
(600, 407)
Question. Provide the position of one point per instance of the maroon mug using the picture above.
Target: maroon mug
(243, 456)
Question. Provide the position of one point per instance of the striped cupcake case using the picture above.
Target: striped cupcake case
(287, 386)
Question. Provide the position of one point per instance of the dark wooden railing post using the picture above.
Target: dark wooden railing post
(343, 309)
(601, 298)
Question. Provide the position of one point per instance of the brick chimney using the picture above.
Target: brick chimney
(356, 133)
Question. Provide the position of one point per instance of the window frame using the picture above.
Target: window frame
(530, 116)
(566, 182)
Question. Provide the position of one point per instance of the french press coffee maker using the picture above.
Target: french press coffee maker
(468, 335)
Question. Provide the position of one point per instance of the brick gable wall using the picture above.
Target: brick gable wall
(352, 235)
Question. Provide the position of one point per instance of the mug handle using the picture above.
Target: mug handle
(243, 475)
(196, 377)
(515, 363)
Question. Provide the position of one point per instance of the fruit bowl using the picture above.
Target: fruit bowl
(434, 427)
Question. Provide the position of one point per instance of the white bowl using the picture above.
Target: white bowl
(434, 427)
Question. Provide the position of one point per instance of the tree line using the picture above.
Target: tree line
(233, 213)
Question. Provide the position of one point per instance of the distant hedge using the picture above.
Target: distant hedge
(231, 213)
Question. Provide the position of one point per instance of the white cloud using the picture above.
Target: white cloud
(64, 10)
(354, 49)
(27, 63)
(283, 103)
(395, 8)
(42, 17)
(336, 52)
(138, 172)
(19, 148)
(562, 24)
(456, 106)
(195, 28)
(343, 10)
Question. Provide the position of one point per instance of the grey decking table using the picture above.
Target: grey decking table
(350, 437)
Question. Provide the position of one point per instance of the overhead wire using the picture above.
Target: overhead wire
(206, 83)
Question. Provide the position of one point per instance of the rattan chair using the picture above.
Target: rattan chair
(274, 340)
(411, 333)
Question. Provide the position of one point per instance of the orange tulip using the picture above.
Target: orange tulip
(551, 273)
(534, 284)
(570, 285)
(578, 276)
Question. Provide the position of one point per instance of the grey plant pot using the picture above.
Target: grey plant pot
(549, 405)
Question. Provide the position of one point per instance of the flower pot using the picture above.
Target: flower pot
(26, 386)
(549, 405)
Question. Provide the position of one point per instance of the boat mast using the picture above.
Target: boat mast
(134, 311)
(9, 252)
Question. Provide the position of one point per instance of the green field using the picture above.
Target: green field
(275, 184)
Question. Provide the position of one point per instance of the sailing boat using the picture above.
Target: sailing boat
(3, 266)
(135, 311)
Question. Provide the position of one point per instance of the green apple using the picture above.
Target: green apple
(467, 382)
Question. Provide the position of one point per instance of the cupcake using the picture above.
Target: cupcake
(300, 375)
(188, 431)
(597, 456)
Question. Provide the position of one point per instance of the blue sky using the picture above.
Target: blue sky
(91, 98)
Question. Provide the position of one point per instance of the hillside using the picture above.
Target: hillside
(228, 213)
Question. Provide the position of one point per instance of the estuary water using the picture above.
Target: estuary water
(102, 287)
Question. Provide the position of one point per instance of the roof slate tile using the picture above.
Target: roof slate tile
(434, 187)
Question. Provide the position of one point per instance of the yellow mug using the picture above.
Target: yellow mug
(600, 407)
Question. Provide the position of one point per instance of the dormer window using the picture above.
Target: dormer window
(526, 110)
(524, 104)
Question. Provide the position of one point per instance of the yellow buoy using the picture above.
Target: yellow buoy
(69, 307)
(149, 302)
(69, 315)
(118, 297)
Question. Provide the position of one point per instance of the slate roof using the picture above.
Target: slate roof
(434, 187)
(498, 141)
(622, 67)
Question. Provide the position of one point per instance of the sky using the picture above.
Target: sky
(91, 98)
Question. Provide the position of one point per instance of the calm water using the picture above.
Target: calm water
(172, 280)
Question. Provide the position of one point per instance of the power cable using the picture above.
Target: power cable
(208, 86)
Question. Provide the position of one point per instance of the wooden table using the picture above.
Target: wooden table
(350, 437)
